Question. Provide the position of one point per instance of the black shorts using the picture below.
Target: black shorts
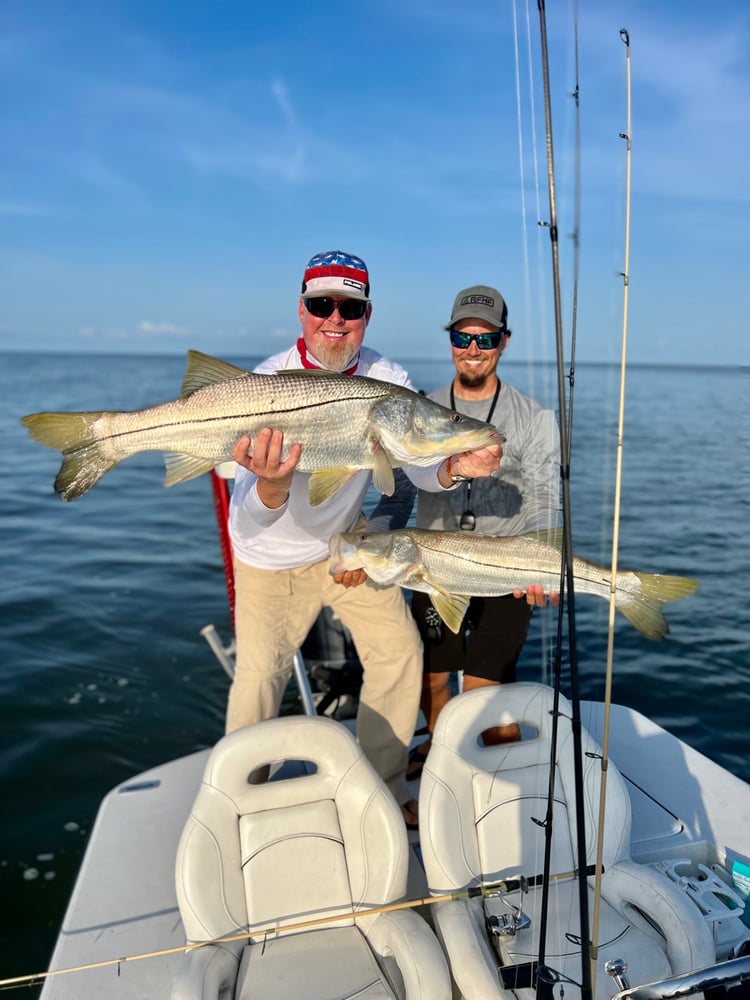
(489, 644)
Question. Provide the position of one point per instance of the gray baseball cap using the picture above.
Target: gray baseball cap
(480, 302)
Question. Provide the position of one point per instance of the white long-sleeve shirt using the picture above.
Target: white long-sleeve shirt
(296, 534)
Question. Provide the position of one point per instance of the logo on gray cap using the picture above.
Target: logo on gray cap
(478, 300)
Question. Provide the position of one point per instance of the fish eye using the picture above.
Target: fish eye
(456, 418)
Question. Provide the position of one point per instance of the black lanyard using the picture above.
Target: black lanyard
(487, 420)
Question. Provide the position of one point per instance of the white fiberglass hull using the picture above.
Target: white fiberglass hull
(124, 904)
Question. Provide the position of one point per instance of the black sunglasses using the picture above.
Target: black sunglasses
(324, 307)
(484, 341)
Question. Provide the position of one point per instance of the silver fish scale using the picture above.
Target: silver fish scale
(336, 418)
(488, 566)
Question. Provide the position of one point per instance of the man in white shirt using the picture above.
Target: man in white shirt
(281, 543)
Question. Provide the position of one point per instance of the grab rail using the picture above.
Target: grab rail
(713, 977)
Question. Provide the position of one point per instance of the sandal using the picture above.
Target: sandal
(409, 810)
(417, 759)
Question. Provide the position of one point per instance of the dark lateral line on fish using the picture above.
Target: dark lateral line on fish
(506, 567)
(198, 420)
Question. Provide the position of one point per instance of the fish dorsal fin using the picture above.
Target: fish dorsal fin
(203, 370)
(548, 536)
(183, 467)
(325, 482)
(450, 607)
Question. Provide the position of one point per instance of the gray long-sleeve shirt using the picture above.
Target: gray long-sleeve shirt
(524, 494)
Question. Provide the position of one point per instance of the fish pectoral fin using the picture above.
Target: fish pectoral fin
(450, 607)
(382, 472)
(325, 482)
(183, 467)
(203, 370)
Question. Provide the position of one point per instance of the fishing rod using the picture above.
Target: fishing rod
(625, 36)
(520, 883)
(576, 236)
(567, 591)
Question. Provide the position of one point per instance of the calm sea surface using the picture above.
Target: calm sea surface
(103, 672)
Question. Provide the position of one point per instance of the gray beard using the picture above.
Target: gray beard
(336, 357)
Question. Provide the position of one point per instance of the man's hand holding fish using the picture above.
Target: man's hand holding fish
(470, 465)
(265, 460)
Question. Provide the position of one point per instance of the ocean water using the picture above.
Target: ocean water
(103, 672)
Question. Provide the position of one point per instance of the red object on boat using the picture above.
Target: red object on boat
(220, 488)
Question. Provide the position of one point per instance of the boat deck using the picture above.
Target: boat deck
(124, 902)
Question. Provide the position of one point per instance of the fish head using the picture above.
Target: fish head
(415, 430)
(388, 557)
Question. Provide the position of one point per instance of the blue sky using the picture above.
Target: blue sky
(169, 167)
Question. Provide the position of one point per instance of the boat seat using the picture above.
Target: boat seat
(266, 857)
(482, 819)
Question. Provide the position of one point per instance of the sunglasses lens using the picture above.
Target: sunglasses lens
(488, 341)
(324, 307)
(352, 309)
(319, 307)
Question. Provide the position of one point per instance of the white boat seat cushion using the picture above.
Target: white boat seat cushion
(482, 819)
(268, 857)
(329, 963)
(295, 854)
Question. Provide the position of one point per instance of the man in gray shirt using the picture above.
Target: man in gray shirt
(522, 496)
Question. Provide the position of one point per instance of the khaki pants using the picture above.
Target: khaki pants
(275, 610)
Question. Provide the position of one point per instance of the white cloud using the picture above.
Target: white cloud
(281, 93)
(150, 329)
(145, 329)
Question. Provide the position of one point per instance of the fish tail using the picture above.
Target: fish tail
(645, 611)
(73, 434)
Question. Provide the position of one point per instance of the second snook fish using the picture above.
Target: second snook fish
(453, 566)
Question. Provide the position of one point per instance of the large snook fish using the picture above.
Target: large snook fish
(452, 566)
(344, 424)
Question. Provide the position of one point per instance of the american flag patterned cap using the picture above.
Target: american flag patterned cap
(336, 273)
